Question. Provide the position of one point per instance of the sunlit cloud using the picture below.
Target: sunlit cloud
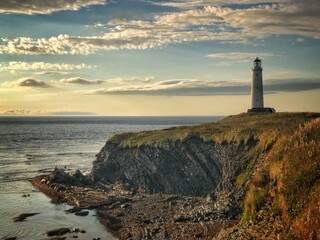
(51, 73)
(41, 66)
(30, 112)
(239, 55)
(193, 87)
(130, 80)
(187, 4)
(208, 23)
(31, 7)
(231, 58)
(80, 81)
(27, 82)
(22, 112)
(177, 87)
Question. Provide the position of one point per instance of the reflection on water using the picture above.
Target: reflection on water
(51, 216)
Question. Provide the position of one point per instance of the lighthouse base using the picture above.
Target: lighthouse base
(261, 110)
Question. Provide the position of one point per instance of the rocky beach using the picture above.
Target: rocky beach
(135, 214)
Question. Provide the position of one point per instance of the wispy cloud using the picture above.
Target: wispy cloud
(232, 58)
(130, 80)
(193, 87)
(209, 23)
(41, 66)
(21, 112)
(188, 4)
(80, 81)
(27, 82)
(35, 83)
(292, 84)
(230, 63)
(31, 7)
(51, 73)
(216, 22)
(177, 87)
(239, 55)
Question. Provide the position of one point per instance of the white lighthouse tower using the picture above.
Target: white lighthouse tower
(256, 85)
(257, 89)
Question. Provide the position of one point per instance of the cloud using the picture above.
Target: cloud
(80, 81)
(27, 82)
(188, 4)
(14, 112)
(239, 55)
(21, 112)
(178, 87)
(31, 7)
(292, 84)
(236, 57)
(51, 73)
(230, 63)
(210, 23)
(193, 87)
(41, 66)
(130, 80)
(72, 113)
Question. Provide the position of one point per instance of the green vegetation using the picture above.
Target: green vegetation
(292, 184)
(244, 176)
(286, 186)
(241, 128)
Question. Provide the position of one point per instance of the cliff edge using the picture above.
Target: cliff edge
(249, 176)
(233, 161)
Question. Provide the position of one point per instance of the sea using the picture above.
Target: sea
(31, 146)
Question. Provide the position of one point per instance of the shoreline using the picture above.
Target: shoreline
(136, 214)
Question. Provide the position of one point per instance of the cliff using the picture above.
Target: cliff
(249, 176)
(216, 158)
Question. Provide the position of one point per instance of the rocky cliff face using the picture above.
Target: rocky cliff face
(217, 159)
(190, 167)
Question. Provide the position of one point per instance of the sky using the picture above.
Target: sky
(150, 58)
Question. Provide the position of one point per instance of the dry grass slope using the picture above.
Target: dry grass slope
(239, 128)
(290, 182)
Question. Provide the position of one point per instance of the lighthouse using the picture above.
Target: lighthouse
(256, 85)
(257, 89)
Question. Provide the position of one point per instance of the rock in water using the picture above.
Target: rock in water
(58, 232)
(82, 213)
(23, 217)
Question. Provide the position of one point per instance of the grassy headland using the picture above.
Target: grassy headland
(285, 188)
(265, 172)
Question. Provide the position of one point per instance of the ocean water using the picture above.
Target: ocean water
(30, 146)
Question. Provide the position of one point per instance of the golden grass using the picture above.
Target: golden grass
(294, 172)
(240, 128)
(291, 172)
(307, 224)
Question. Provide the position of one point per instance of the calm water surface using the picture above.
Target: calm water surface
(30, 146)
